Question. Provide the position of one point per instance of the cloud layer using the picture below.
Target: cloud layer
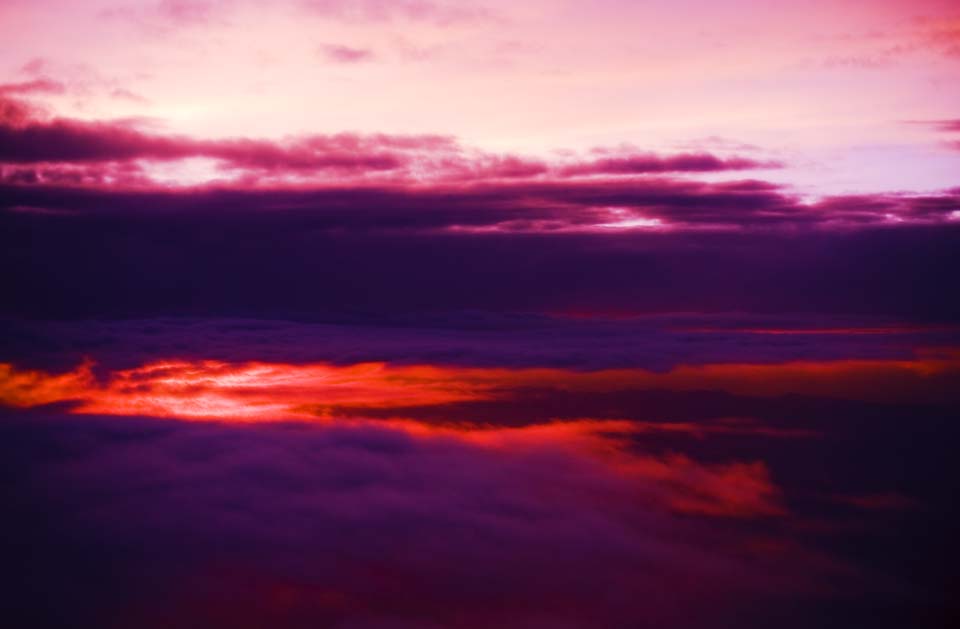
(423, 314)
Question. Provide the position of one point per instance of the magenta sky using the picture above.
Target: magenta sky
(837, 91)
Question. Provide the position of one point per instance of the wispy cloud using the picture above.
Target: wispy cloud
(339, 53)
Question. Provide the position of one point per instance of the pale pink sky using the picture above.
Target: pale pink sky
(825, 86)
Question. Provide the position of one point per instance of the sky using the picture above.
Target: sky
(414, 314)
(847, 94)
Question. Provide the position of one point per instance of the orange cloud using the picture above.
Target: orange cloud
(672, 481)
(275, 391)
(264, 391)
(682, 484)
(25, 388)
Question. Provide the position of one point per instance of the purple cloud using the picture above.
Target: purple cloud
(29, 137)
(773, 256)
(650, 163)
(364, 524)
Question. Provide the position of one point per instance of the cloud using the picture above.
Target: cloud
(650, 163)
(951, 126)
(368, 522)
(354, 522)
(35, 66)
(126, 94)
(438, 13)
(876, 61)
(15, 112)
(27, 139)
(259, 391)
(941, 34)
(383, 209)
(186, 11)
(31, 388)
(657, 343)
(252, 392)
(879, 502)
(163, 15)
(324, 393)
(429, 181)
(945, 125)
(41, 85)
(31, 138)
(339, 53)
(489, 194)
(729, 247)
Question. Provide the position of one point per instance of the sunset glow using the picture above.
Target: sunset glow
(273, 392)
(460, 314)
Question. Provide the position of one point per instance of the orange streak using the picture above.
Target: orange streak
(262, 391)
(26, 388)
(265, 391)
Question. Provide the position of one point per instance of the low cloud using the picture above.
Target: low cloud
(371, 523)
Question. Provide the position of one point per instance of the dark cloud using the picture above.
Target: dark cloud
(354, 524)
(358, 525)
(476, 338)
(294, 253)
(524, 206)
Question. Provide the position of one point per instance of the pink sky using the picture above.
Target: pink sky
(833, 89)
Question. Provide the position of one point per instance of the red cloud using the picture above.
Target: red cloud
(34, 86)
